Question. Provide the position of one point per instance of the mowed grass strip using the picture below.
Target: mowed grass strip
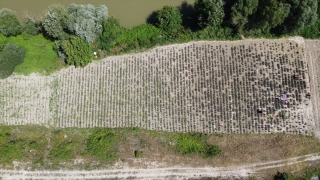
(93, 148)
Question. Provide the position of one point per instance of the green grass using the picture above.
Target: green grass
(40, 56)
(196, 143)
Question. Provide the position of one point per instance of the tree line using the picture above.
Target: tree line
(80, 30)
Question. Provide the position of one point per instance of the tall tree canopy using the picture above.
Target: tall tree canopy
(169, 19)
(210, 12)
(85, 21)
(111, 30)
(240, 12)
(78, 51)
(9, 22)
(303, 13)
(55, 21)
(270, 14)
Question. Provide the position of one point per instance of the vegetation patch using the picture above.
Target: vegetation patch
(100, 144)
(39, 56)
(196, 143)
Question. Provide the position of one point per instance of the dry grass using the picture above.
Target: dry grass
(236, 149)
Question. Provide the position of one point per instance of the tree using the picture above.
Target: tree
(270, 14)
(210, 12)
(85, 21)
(9, 22)
(55, 21)
(169, 19)
(11, 56)
(111, 30)
(31, 27)
(303, 13)
(240, 12)
(78, 51)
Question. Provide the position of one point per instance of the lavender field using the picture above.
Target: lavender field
(250, 86)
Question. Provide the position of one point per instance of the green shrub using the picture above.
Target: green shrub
(31, 27)
(111, 30)
(311, 32)
(11, 56)
(100, 144)
(195, 143)
(63, 150)
(214, 33)
(145, 35)
(137, 154)
(9, 22)
(78, 51)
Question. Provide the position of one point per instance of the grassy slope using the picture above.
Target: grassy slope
(40, 56)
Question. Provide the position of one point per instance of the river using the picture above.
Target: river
(130, 12)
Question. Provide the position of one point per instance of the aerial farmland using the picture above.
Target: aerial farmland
(248, 86)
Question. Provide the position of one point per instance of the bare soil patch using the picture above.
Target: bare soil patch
(313, 59)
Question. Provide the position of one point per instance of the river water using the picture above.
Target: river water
(130, 12)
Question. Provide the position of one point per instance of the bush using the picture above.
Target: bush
(145, 35)
(11, 56)
(111, 31)
(311, 32)
(100, 144)
(215, 33)
(9, 23)
(195, 143)
(78, 51)
(31, 27)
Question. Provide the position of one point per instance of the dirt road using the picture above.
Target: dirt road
(159, 173)
(313, 57)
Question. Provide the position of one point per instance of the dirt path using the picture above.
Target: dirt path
(312, 57)
(159, 173)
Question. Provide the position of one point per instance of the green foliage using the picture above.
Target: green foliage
(100, 144)
(9, 22)
(3, 41)
(195, 143)
(55, 21)
(137, 154)
(269, 15)
(31, 27)
(241, 10)
(214, 33)
(145, 35)
(85, 21)
(111, 31)
(169, 19)
(64, 146)
(311, 32)
(11, 56)
(210, 12)
(39, 57)
(78, 51)
(303, 14)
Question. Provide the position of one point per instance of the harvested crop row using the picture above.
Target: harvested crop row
(255, 86)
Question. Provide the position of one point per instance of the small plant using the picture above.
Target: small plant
(137, 154)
